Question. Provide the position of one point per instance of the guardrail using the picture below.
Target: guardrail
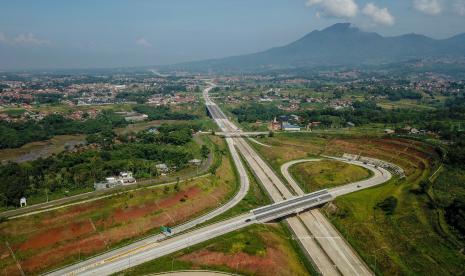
(291, 206)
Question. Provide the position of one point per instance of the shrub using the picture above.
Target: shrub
(388, 205)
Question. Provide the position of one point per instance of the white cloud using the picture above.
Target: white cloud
(378, 15)
(143, 42)
(336, 8)
(430, 7)
(459, 7)
(29, 39)
(23, 39)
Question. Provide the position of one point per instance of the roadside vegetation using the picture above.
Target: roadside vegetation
(398, 227)
(263, 249)
(52, 239)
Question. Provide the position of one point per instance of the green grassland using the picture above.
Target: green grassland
(411, 241)
(403, 243)
(313, 176)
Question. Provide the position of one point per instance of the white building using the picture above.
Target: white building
(124, 178)
(22, 202)
(162, 168)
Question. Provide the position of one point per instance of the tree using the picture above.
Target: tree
(204, 151)
(14, 182)
(455, 215)
(338, 94)
(388, 205)
(424, 186)
(176, 186)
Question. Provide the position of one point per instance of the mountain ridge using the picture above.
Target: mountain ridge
(338, 44)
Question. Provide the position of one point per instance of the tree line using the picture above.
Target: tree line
(16, 134)
(77, 170)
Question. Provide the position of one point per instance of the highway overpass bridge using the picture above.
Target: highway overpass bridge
(291, 206)
(242, 134)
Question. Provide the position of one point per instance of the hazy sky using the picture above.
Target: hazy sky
(109, 33)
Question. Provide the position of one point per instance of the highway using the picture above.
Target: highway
(320, 241)
(327, 249)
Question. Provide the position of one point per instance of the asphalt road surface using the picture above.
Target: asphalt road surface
(327, 236)
(326, 248)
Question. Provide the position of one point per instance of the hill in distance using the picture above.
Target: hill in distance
(339, 44)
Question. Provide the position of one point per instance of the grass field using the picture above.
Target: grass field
(314, 176)
(405, 243)
(52, 239)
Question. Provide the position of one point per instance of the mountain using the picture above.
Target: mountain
(339, 44)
